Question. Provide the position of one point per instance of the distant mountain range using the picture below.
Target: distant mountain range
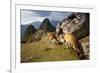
(38, 24)
(26, 34)
(28, 30)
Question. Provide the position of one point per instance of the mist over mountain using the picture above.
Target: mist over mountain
(23, 29)
(36, 24)
(54, 22)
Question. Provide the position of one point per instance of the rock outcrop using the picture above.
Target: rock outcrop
(76, 23)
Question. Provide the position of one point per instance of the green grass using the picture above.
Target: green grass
(43, 51)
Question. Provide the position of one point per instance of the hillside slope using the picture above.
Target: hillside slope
(43, 51)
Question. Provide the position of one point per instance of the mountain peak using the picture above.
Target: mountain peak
(46, 19)
(30, 30)
(47, 26)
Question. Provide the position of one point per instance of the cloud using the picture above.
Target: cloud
(42, 13)
(58, 16)
(29, 16)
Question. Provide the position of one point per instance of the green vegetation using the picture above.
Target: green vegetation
(42, 51)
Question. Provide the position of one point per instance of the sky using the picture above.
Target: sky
(29, 16)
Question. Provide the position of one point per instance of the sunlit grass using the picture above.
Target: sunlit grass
(43, 51)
